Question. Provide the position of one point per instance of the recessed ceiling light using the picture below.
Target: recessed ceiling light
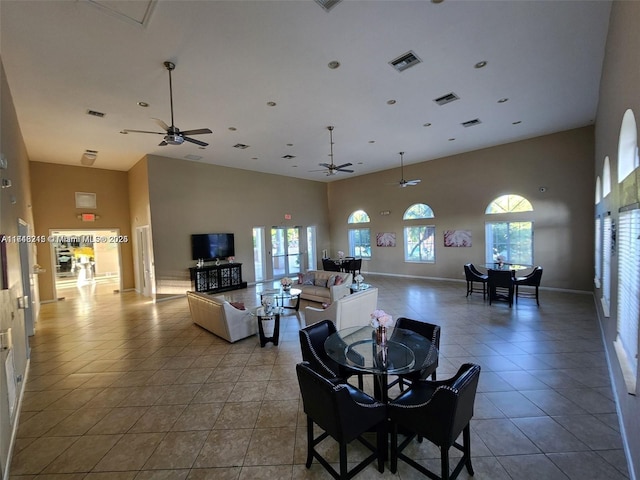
(426, 124)
(481, 64)
(517, 122)
(289, 144)
(333, 64)
(241, 146)
(193, 157)
(233, 129)
(143, 104)
(451, 139)
(124, 132)
(391, 102)
(271, 104)
(503, 100)
(289, 157)
(254, 158)
(372, 141)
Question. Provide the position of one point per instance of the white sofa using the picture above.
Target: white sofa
(316, 289)
(350, 311)
(220, 317)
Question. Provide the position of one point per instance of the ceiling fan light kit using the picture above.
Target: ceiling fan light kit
(172, 134)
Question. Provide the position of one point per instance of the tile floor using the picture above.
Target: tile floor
(120, 388)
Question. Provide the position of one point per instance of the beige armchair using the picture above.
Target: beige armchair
(350, 311)
(220, 317)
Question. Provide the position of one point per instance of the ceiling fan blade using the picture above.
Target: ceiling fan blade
(143, 131)
(163, 144)
(344, 170)
(199, 131)
(326, 165)
(413, 182)
(161, 124)
(197, 142)
(343, 165)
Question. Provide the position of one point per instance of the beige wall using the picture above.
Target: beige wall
(54, 188)
(459, 188)
(15, 203)
(190, 197)
(619, 92)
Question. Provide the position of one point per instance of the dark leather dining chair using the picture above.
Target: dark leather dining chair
(330, 265)
(344, 413)
(501, 285)
(312, 338)
(428, 331)
(472, 275)
(531, 280)
(438, 411)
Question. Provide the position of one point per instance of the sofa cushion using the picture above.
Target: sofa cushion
(308, 278)
(332, 281)
(339, 280)
(320, 282)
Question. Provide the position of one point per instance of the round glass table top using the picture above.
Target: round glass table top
(405, 351)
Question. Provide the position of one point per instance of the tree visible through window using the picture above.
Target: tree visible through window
(511, 240)
(359, 238)
(419, 240)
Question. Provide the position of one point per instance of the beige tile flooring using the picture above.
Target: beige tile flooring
(121, 388)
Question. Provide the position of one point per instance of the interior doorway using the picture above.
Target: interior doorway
(85, 262)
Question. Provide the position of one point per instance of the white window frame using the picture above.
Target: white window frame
(606, 265)
(427, 242)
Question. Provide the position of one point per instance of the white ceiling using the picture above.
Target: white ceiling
(65, 57)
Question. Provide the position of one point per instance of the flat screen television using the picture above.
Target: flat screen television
(208, 246)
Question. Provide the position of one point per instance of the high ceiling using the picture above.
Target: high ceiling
(64, 58)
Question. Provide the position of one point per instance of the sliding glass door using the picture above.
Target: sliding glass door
(285, 251)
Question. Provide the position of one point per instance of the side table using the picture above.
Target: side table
(264, 317)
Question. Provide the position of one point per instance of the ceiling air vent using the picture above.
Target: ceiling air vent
(404, 61)
(241, 146)
(95, 113)
(448, 98)
(327, 4)
(471, 123)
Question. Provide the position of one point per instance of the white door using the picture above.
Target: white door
(26, 274)
(145, 264)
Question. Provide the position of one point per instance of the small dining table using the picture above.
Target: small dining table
(405, 351)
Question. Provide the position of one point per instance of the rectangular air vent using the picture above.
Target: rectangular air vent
(448, 98)
(471, 123)
(95, 113)
(404, 61)
(241, 146)
(327, 4)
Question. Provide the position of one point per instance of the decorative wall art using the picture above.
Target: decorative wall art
(386, 239)
(457, 238)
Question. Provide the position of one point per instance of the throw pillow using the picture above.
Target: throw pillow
(300, 278)
(332, 281)
(339, 280)
(320, 282)
(308, 278)
(238, 305)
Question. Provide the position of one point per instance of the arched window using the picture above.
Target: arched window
(627, 146)
(418, 210)
(419, 239)
(606, 177)
(509, 204)
(511, 239)
(359, 238)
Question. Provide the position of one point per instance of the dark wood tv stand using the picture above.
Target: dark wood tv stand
(217, 278)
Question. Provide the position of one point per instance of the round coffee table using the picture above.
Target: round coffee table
(281, 295)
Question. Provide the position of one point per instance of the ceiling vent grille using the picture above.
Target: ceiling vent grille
(448, 98)
(471, 123)
(241, 146)
(404, 61)
(95, 113)
(327, 4)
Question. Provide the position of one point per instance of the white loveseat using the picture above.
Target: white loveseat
(350, 311)
(317, 285)
(220, 317)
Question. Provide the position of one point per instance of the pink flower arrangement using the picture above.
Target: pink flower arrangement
(380, 318)
(286, 282)
(231, 259)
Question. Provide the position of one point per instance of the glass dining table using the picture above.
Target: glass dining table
(405, 351)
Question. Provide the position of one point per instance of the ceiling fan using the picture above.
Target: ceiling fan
(172, 134)
(405, 183)
(331, 168)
